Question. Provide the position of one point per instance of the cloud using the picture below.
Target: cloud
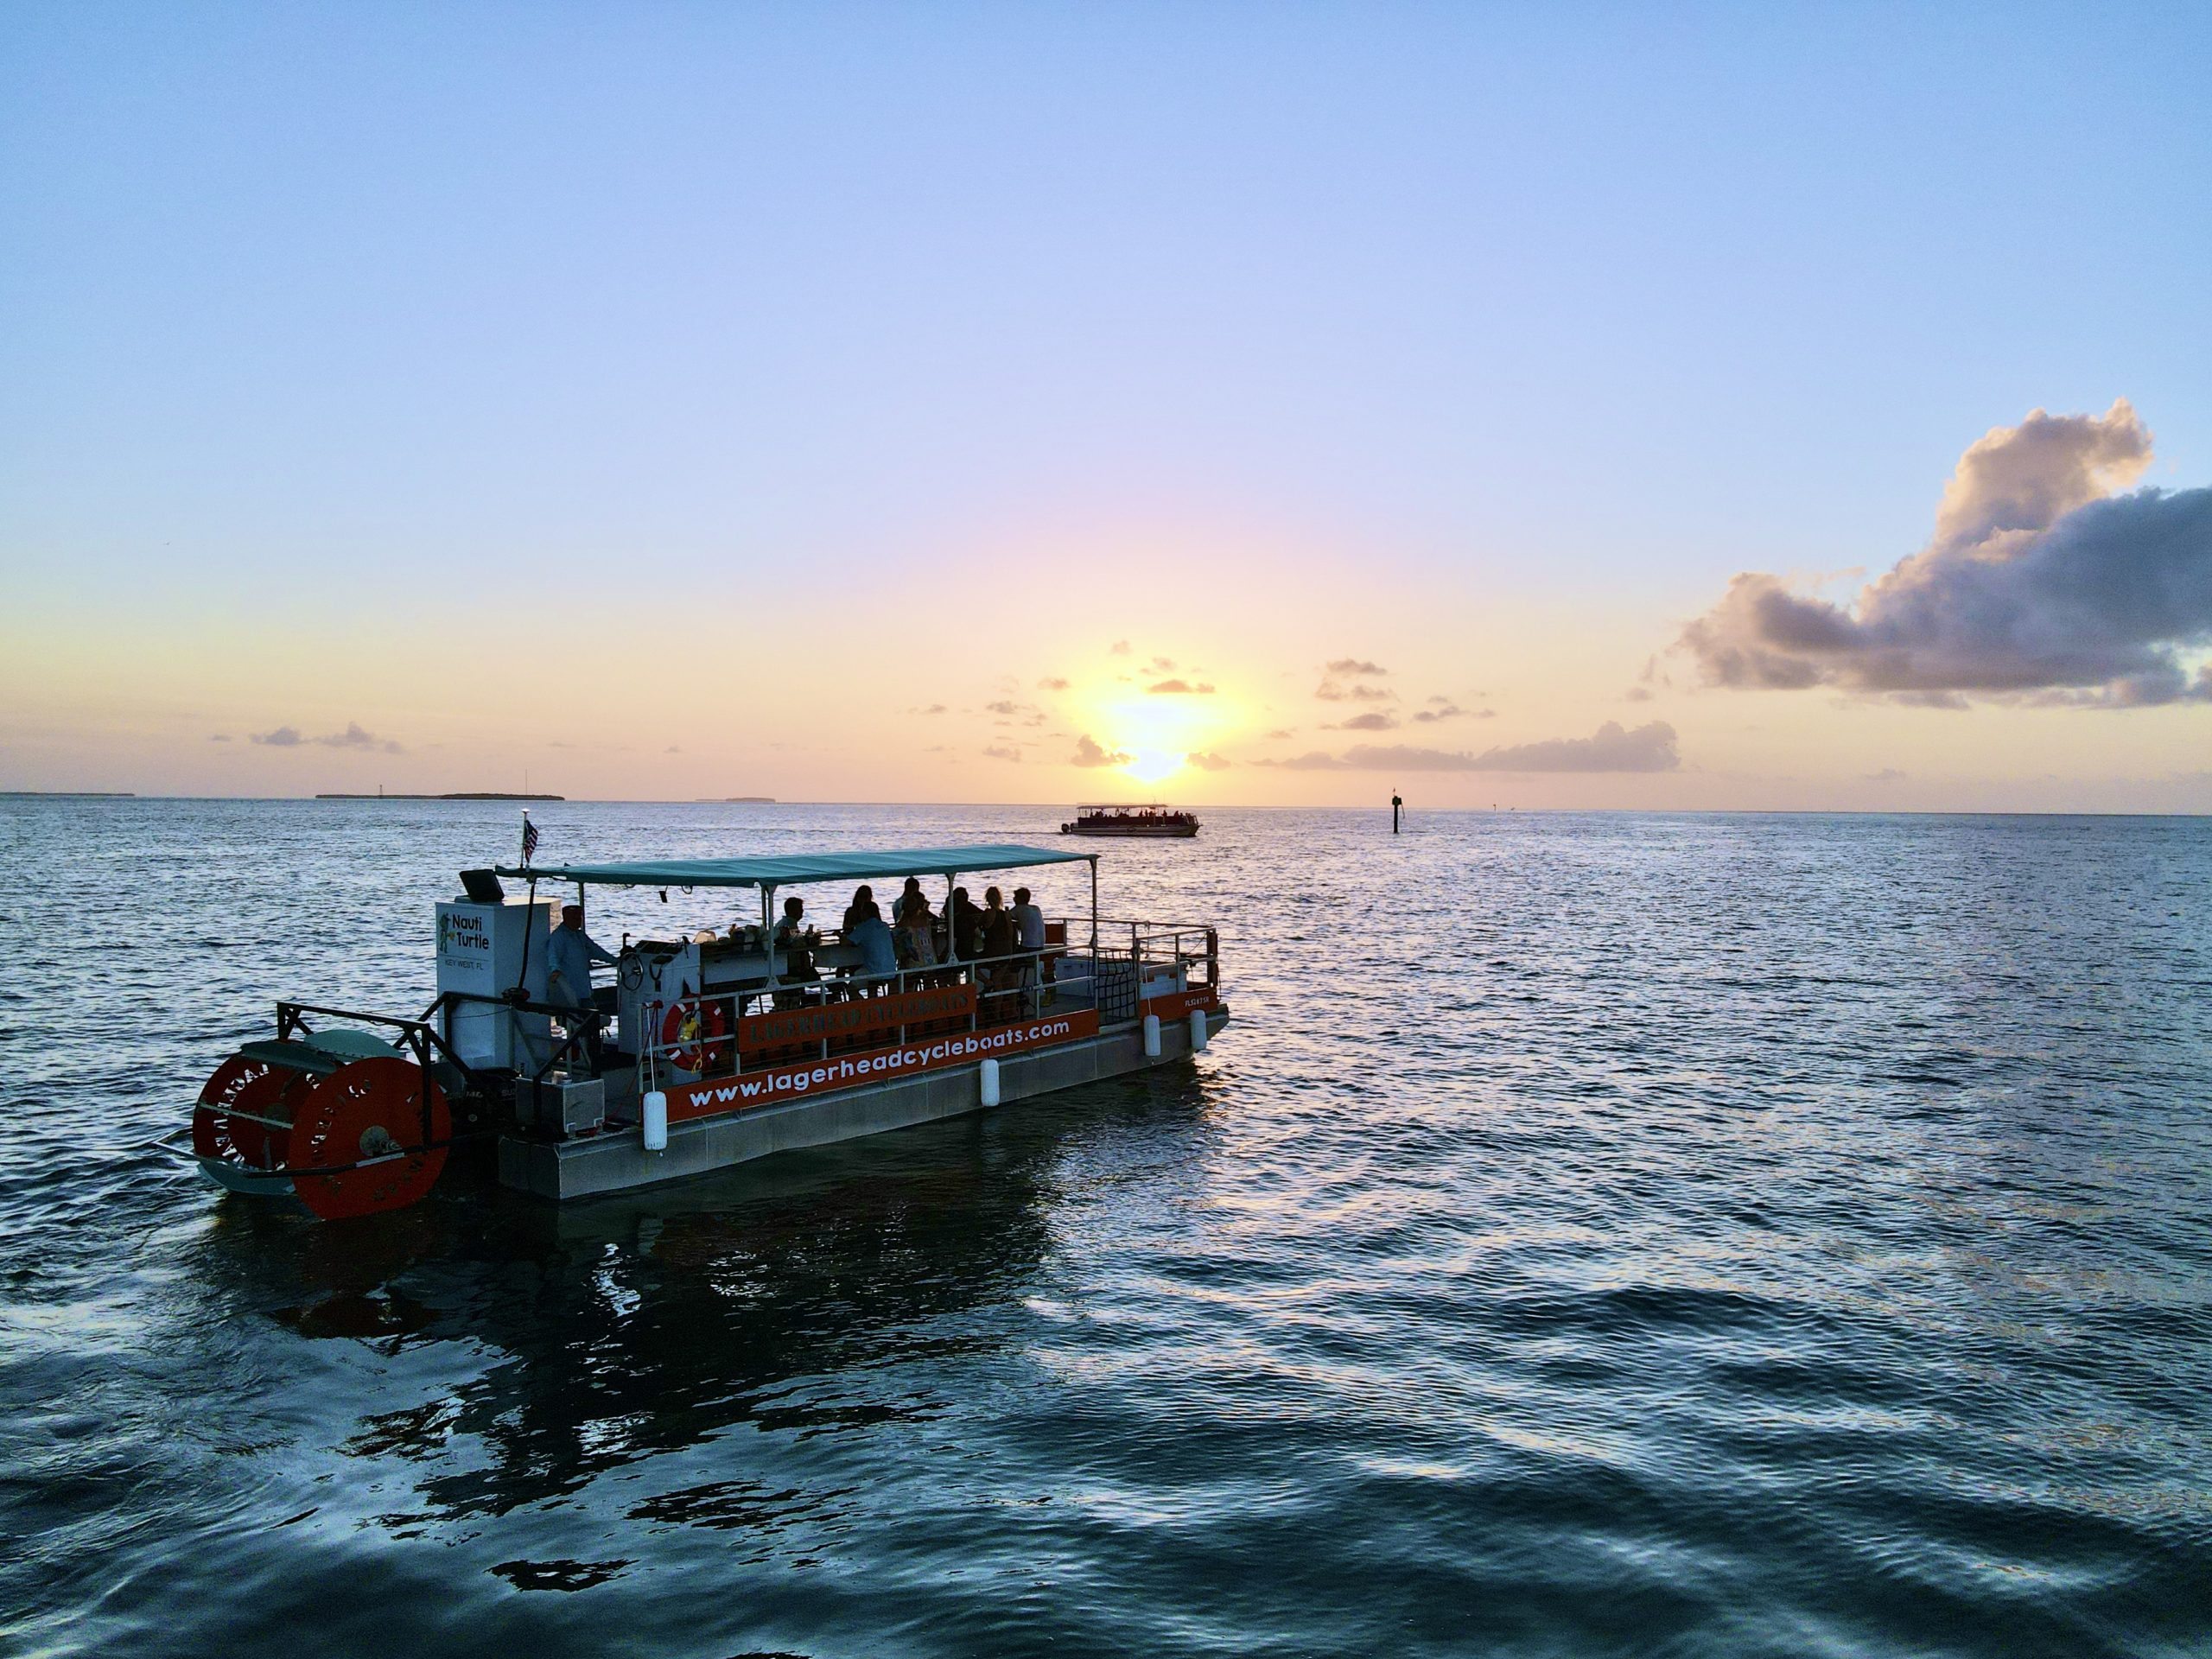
(1280, 733)
(1160, 665)
(1636, 694)
(218, 737)
(1330, 691)
(353, 737)
(1349, 667)
(1886, 775)
(1119, 648)
(1001, 751)
(934, 708)
(1205, 762)
(1088, 753)
(1027, 713)
(1648, 748)
(1374, 720)
(1949, 700)
(1179, 689)
(1052, 683)
(2040, 585)
(1443, 710)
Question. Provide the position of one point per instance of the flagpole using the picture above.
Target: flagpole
(521, 991)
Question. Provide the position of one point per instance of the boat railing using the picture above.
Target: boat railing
(1188, 945)
(758, 1026)
(755, 1026)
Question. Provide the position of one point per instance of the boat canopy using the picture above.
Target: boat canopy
(792, 871)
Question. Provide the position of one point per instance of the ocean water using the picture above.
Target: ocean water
(1596, 1234)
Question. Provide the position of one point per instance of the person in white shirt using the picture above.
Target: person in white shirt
(1028, 922)
(1029, 937)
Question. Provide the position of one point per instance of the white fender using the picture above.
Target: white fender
(990, 1079)
(656, 1125)
(1152, 1036)
(1197, 1030)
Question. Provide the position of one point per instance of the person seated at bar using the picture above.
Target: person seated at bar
(997, 929)
(966, 923)
(866, 932)
(796, 941)
(863, 899)
(915, 935)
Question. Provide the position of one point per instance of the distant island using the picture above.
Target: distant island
(737, 800)
(92, 794)
(458, 795)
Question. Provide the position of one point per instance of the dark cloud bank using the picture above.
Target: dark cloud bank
(2041, 585)
(353, 737)
(1647, 748)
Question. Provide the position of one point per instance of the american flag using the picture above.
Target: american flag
(529, 837)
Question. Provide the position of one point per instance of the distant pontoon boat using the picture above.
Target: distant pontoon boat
(1152, 819)
(724, 1048)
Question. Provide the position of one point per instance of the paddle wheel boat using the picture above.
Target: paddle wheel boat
(710, 1048)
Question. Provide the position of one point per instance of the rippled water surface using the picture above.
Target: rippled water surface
(1710, 1235)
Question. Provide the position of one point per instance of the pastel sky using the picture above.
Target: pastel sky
(1544, 405)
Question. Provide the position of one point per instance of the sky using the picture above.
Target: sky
(1638, 406)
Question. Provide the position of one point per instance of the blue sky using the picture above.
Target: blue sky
(1580, 309)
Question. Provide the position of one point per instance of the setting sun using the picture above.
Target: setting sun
(1151, 766)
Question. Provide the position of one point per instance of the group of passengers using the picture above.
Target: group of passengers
(1007, 942)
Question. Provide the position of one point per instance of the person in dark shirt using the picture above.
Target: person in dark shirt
(965, 921)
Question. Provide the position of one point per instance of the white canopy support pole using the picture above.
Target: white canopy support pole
(1094, 913)
(768, 928)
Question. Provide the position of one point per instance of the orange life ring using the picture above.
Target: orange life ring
(695, 1033)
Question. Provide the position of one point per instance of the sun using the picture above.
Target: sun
(1151, 766)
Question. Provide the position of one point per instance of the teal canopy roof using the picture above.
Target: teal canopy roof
(790, 872)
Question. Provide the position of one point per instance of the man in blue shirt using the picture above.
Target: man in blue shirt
(569, 954)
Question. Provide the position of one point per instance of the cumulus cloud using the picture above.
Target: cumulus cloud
(1206, 762)
(1648, 748)
(934, 708)
(1052, 683)
(1001, 751)
(353, 737)
(218, 737)
(1349, 666)
(1160, 665)
(1373, 721)
(1088, 753)
(2041, 584)
(1440, 708)
(1280, 733)
(1119, 648)
(1636, 694)
(1179, 689)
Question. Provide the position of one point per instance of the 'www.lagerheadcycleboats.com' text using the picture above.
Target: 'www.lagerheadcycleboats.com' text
(788, 1083)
